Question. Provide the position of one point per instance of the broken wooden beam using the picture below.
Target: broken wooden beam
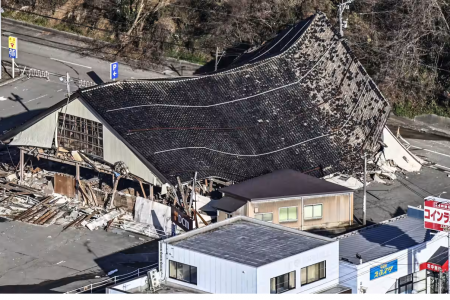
(142, 189)
(114, 191)
(71, 223)
(203, 220)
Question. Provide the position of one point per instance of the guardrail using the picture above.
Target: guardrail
(115, 279)
(37, 73)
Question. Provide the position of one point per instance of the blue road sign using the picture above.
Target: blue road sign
(114, 70)
(12, 53)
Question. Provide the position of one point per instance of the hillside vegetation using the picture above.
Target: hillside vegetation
(404, 44)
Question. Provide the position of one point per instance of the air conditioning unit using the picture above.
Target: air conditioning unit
(154, 280)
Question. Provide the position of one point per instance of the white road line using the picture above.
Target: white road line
(68, 62)
(3, 98)
(430, 151)
(37, 98)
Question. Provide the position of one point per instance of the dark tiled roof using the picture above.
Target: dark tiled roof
(283, 183)
(229, 204)
(384, 239)
(250, 244)
(303, 103)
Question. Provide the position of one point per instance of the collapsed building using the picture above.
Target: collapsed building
(302, 101)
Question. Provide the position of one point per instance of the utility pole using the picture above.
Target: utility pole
(365, 190)
(1, 65)
(68, 83)
(448, 263)
(341, 8)
(217, 59)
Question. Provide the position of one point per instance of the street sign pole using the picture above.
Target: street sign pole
(1, 66)
(114, 71)
(13, 51)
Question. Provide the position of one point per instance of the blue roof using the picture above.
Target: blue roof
(385, 238)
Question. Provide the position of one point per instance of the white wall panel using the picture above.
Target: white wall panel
(114, 150)
(214, 275)
(409, 261)
(328, 252)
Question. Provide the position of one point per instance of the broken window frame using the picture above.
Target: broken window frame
(80, 134)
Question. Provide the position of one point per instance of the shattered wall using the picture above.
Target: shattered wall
(302, 102)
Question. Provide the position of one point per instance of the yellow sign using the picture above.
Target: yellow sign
(12, 43)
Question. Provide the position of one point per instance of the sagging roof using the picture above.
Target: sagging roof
(384, 238)
(283, 184)
(248, 241)
(302, 101)
(229, 204)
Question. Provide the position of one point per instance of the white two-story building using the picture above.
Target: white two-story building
(242, 255)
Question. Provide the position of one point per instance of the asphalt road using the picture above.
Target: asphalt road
(25, 98)
(57, 54)
(37, 259)
(430, 147)
(36, 49)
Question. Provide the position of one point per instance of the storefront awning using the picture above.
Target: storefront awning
(438, 261)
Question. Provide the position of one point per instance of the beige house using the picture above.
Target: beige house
(289, 198)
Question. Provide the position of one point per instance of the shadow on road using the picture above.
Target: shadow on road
(128, 260)
(17, 98)
(45, 287)
(11, 122)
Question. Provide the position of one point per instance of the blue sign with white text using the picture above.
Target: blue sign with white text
(13, 53)
(114, 70)
(383, 270)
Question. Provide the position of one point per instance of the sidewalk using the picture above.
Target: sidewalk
(75, 43)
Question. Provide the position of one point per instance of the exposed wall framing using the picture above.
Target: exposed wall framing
(80, 134)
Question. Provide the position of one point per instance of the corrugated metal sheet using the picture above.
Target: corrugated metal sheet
(65, 185)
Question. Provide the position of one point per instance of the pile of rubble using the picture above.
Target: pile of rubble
(35, 201)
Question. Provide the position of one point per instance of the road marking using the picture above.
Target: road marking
(36, 98)
(68, 62)
(59, 90)
(3, 98)
(431, 151)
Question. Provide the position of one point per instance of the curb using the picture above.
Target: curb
(122, 60)
(12, 80)
(69, 34)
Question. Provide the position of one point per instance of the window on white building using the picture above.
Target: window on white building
(312, 212)
(288, 214)
(268, 217)
(229, 216)
(282, 283)
(182, 272)
(313, 273)
(405, 284)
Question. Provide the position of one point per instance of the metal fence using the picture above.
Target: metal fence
(37, 73)
(113, 280)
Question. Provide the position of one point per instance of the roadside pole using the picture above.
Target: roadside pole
(365, 190)
(1, 65)
(13, 51)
